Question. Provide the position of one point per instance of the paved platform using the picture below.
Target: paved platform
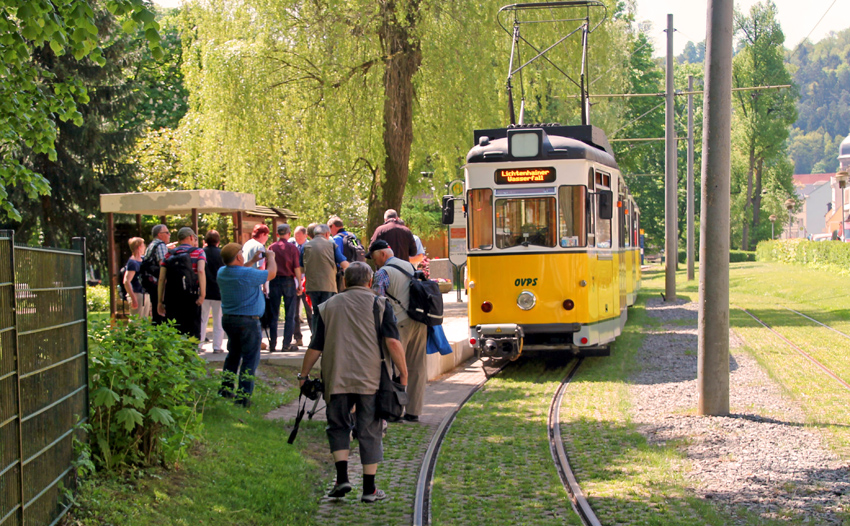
(455, 326)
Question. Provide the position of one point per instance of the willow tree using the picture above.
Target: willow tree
(327, 106)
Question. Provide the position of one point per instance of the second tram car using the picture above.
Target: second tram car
(552, 260)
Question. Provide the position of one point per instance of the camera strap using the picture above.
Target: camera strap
(298, 418)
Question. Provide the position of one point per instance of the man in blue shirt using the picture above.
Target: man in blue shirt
(242, 305)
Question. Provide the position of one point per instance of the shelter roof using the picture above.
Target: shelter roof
(179, 202)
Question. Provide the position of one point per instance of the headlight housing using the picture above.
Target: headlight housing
(526, 300)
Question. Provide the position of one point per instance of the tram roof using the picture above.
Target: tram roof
(559, 142)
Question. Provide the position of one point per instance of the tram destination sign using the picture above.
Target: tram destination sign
(525, 175)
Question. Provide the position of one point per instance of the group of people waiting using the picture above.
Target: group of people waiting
(237, 283)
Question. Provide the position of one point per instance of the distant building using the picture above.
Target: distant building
(821, 198)
(840, 206)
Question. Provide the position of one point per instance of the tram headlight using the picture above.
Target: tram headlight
(526, 300)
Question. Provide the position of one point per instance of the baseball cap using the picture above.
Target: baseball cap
(379, 244)
(229, 252)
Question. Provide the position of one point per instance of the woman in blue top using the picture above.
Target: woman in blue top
(140, 302)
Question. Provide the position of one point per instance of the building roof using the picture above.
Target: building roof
(844, 149)
(805, 179)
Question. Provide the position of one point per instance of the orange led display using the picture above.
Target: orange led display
(525, 175)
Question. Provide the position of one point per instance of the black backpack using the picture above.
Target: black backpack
(180, 280)
(352, 249)
(426, 300)
(149, 274)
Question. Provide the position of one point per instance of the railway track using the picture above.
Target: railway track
(800, 351)
(422, 497)
(833, 329)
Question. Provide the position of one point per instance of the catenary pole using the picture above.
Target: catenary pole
(690, 178)
(671, 212)
(713, 338)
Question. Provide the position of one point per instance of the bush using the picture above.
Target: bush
(829, 255)
(735, 256)
(147, 388)
(97, 298)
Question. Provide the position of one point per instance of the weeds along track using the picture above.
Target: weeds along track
(833, 329)
(826, 370)
(495, 462)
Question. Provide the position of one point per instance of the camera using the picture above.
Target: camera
(313, 388)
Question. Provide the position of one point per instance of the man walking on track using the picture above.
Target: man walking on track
(347, 340)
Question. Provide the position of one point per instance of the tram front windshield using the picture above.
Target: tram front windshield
(525, 221)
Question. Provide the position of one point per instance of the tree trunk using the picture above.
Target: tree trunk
(757, 193)
(402, 56)
(745, 241)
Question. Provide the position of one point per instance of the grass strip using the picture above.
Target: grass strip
(495, 466)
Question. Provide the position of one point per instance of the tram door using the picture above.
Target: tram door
(605, 261)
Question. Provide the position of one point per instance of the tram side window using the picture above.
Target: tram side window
(525, 221)
(481, 219)
(603, 229)
(573, 220)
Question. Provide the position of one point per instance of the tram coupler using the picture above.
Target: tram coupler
(500, 340)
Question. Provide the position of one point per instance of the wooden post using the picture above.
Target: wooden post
(162, 221)
(113, 278)
(195, 223)
(139, 223)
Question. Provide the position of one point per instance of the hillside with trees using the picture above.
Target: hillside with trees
(822, 74)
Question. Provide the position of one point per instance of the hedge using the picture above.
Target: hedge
(735, 256)
(828, 255)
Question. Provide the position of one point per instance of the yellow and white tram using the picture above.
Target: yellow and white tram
(552, 258)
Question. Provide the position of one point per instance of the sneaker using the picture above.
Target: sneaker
(290, 348)
(340, 490)
(218, 351)
(378, 495)
(411, 418)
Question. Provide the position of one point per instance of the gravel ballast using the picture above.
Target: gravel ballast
(762, 457)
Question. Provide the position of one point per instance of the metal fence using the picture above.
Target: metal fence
(43, 377)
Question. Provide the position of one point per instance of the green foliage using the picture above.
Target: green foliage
(30, 113)
(761, 120)
(97, 298)
(829, 255)
(735, 256)
(147, 390)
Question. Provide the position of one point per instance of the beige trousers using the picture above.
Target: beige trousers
(413, 339)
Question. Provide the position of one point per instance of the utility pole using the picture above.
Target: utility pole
(671, 212)
(713, 338)
(690, 178)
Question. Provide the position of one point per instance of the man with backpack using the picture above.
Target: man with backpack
(348, 244)
(150, 265)
(182, 284)
(392, 280)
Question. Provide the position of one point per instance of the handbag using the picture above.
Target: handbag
(392, 396)
(437, 341)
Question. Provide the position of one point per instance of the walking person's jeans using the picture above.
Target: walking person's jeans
(296, 329)
(243, 348)
(317, 298)
(281, 288)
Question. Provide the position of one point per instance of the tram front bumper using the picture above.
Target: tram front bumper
(498, 340)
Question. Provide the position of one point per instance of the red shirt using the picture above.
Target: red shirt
(286, 256)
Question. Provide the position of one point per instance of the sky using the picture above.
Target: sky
(797, 17)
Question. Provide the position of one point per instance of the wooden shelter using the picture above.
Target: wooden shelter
(259, 214)
(163, 204)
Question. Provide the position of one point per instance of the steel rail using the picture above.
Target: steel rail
(816, 321)
(803, 353)
(422, 497)
(559, 455)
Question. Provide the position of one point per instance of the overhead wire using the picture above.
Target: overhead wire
(821, 20)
